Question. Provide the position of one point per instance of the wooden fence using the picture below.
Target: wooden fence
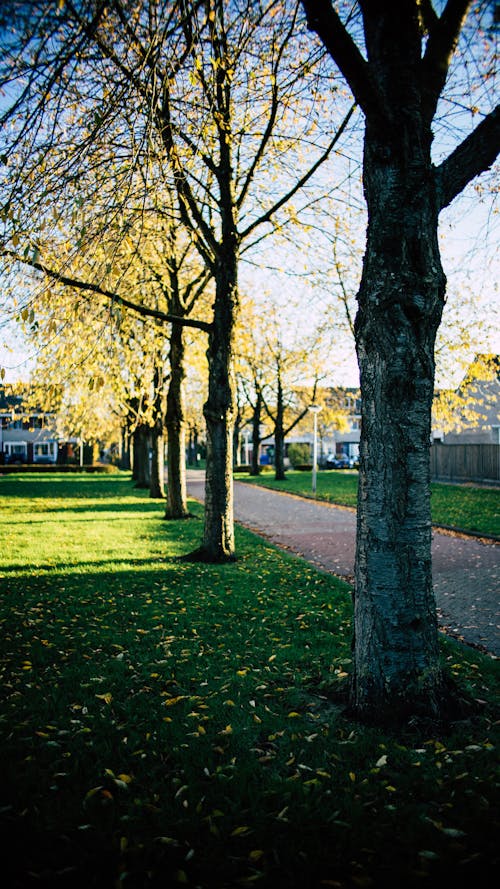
(466, 462)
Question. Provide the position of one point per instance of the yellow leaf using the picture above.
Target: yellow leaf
(239, 831)
(107, 697)
(293, 715)
(256, 854)
(352, 776)
(171, 701)
(226, 731)
(127, 779)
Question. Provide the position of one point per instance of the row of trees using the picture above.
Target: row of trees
(149, 145)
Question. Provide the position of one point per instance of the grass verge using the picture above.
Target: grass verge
(166, 723)
(464, 507)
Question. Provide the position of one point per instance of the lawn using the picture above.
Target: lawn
(465, 507)
(166, 723)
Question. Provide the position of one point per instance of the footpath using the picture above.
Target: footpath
(466, 570)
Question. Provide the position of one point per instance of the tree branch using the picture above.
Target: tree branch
(325, 21)
(268, 131)
(443, 38)
(144, 311)
(473, 156)
(301, 182)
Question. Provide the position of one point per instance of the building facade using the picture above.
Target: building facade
(26, 435)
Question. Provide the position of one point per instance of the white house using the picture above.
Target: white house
(26, 436)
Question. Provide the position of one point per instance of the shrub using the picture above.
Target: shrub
(15, 468)
(299, 453)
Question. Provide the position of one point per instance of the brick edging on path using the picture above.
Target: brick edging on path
(445, 529)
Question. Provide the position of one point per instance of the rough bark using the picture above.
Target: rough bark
(219, 413)
(400, 304)
(176, 430)
(401, 298)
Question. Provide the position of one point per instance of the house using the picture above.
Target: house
(27, 435)
(471, 413)
(338, 425)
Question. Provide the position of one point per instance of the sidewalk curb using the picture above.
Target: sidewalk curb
(445, 529)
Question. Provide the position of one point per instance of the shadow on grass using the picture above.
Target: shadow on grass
(169, 723)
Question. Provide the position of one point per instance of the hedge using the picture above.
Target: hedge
(56, 467)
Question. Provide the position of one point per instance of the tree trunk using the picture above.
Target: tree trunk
(279, 435)
(126, 449)
(156, 481)
(176, 430)
(157, 478)
(400, 301)
(257, 410)
(219, 413)
(237, 440)
(142, 442)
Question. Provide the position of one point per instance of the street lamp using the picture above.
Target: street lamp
(315, 409)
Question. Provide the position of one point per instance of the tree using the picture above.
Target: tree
(285, 398)
(214, 91)
(398, 84)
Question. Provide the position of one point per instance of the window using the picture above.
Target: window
(44, 449)
(18, 449)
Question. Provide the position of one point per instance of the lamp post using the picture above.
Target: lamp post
(315, 409)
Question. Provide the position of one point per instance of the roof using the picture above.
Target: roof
(8, 400)
(12, 400)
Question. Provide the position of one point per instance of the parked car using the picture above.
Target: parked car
(341, 462)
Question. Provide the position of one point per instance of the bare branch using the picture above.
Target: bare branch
(473, 156)
(443, 38)
(305, 178)
(271, 120)
(325, 21)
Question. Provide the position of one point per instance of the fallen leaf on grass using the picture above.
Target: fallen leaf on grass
(240, 831)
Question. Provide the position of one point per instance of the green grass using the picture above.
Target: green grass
(166, 723)
(458, 506)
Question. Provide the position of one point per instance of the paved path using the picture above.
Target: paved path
(466, 570)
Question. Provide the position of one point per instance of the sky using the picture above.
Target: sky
(470, 243)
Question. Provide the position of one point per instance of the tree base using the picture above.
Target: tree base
(170, 516)
(438, 707)
(203, 554)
